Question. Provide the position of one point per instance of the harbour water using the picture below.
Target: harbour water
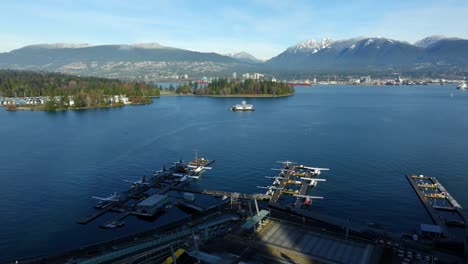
(370, 137)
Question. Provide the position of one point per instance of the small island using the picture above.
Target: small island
(245, 88)
(26, 90)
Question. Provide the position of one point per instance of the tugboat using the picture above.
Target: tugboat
(242, 107)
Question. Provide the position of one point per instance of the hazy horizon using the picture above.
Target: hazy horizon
(263, 28)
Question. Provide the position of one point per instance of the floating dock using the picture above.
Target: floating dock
(437, 200)
(178, 175)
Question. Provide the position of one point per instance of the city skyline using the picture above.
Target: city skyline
(263, 28)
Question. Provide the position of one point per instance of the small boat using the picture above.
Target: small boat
(462, 86)
(242, 107)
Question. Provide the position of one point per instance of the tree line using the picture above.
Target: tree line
(225, 87)
(84, 91)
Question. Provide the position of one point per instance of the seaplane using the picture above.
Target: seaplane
(427, 186)
(104, 201)
(313, 170)
(270, 189)
(198, 169)
(307, 198)
(290, 192)
(137, 183)
(112, 198)
(313, 181)
(283, 171)
(435, 195)
(286, 163)
(277, 181)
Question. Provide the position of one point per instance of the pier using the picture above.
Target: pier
(434, 194)
(162, 181)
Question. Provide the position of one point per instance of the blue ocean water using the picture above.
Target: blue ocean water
(370, 137)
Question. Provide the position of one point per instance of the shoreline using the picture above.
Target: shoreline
(232, 95)
(23, 108)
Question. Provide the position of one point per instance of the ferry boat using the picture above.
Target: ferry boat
(242, 107)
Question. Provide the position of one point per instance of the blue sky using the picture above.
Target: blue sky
(263, 28)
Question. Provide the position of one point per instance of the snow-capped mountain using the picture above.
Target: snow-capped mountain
(376, 53)
(60, 46)
(244, 57)
(426, 42)
(152, 60)
(311, 46)
(152, 45)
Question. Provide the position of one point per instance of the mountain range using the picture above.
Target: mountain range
(373, 54)
(154, 61)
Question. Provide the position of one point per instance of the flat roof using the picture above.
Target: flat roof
(431, 228)
(152, 200)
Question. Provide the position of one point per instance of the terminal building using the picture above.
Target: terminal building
(151, 205)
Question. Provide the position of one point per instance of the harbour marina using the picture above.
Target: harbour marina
(150, 193)
(280, 224)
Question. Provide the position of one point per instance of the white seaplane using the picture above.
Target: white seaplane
(270, 189)
(313, 181)
(277, 180)
(105, 201)
(112, 198)
(308, 198)
(138, 183)
(313, 170)
(198, 169)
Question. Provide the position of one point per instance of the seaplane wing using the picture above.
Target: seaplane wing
(282, 170)
(308, 196)
(314, 168)
(109, 199)
(313, 179)
(179, 175)
(135, 182)
(194, 167)
(286, 162)
(269, 187)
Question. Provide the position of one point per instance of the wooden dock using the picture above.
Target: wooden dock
(303, 191)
